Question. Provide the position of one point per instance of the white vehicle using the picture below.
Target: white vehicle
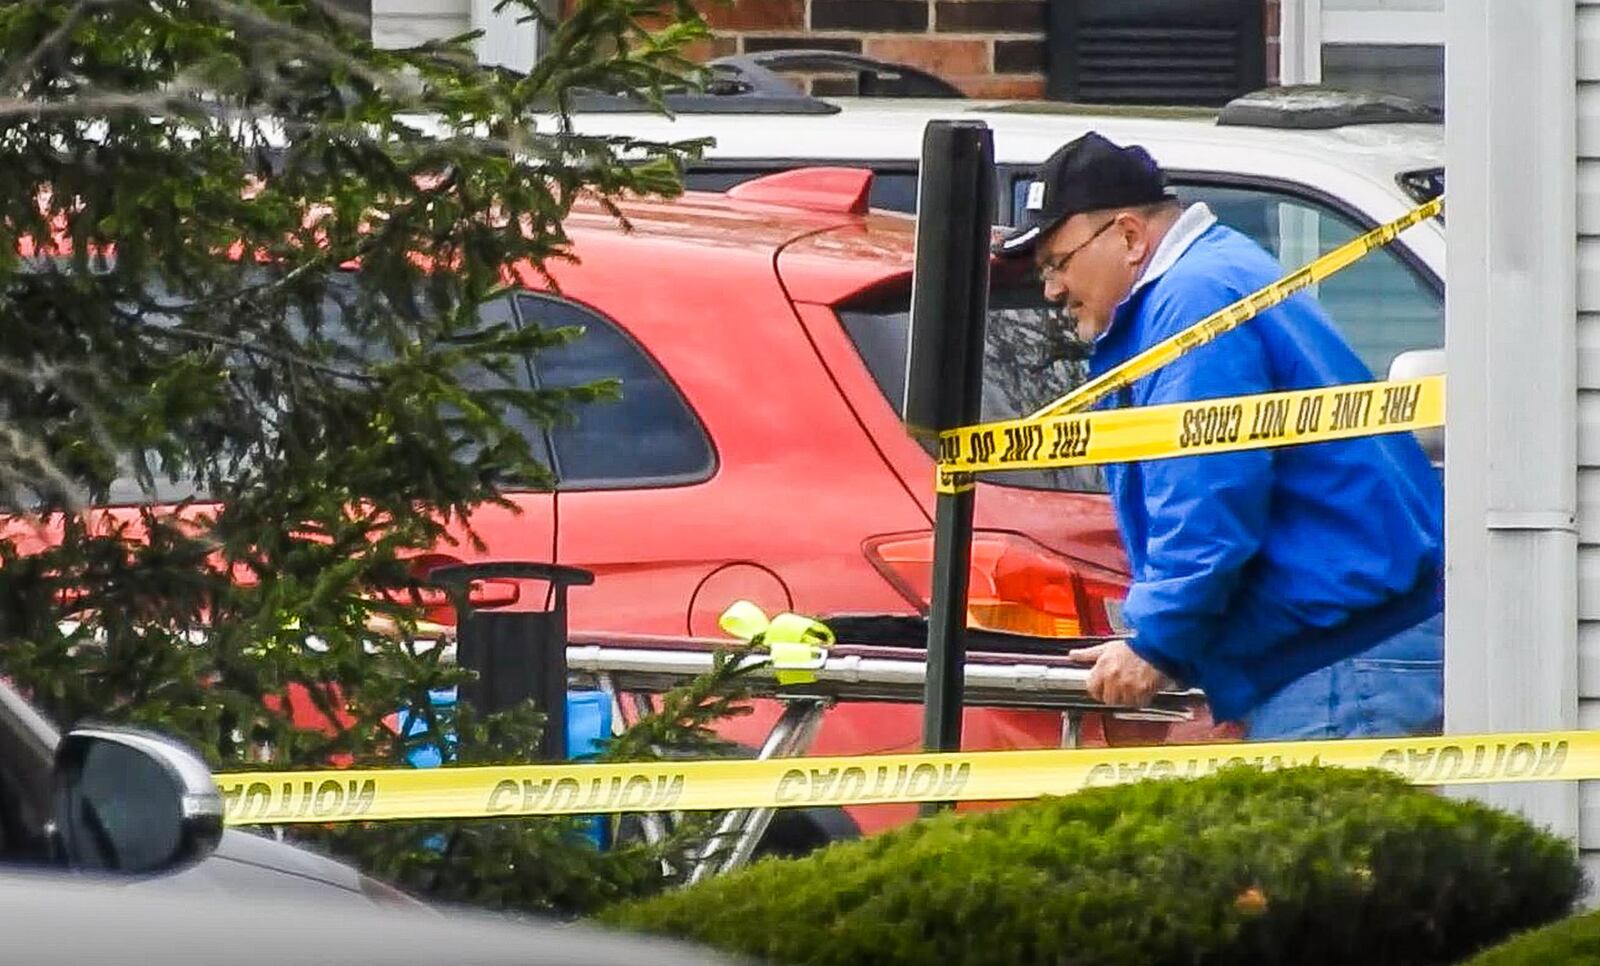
(1300, 170)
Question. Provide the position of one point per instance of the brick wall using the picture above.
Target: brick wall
(988, 48)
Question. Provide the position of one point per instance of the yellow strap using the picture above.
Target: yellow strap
(792, 628)
(797, 645)
(584, 789)
(1191, 429)
(1235, 315)
(743, 619)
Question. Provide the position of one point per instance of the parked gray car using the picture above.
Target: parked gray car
(233, 861)
(55, 920)
(127, 803)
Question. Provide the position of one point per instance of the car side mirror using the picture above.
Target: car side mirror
(133, 802)
(1414, 365)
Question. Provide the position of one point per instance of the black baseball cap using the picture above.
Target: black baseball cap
(1087, 174)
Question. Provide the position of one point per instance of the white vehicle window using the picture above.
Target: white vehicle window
(1382, 304)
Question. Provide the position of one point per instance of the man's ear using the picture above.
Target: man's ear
(1136, 232)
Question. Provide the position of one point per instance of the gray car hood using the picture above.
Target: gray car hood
(255, 865)
(77, 921)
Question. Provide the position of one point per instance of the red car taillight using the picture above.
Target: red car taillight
(1016, 584)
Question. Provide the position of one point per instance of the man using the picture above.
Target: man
(1300, 588)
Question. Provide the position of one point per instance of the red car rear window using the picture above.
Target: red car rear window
(1030, 358)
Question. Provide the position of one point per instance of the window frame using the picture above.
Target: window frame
(1305, 27)
(671, 481)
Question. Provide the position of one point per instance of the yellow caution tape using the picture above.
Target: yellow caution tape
(797, 646)
(1235, 315)
(508, 791)
(1191, 429)
(972, 449)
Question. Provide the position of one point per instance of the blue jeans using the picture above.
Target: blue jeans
(1394, 688)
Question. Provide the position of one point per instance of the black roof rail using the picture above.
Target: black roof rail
(706, 103)
(874, 78)
(751, 84)
(725, 89)
(1315, 107)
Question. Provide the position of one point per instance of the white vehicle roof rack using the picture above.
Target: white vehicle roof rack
(1314, 107)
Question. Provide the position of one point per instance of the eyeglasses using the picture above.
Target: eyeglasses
(1057, 265)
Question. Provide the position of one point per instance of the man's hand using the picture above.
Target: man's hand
(1120, 677)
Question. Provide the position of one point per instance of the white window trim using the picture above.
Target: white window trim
(1382, 27)
(1300, 42)
(505, 42)
(1304, 27)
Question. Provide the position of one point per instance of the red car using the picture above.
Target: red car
(757, 451)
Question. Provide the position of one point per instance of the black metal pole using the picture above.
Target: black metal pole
(947, 622)
(949, 304)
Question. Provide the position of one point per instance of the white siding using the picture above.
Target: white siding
(505, 40)
(1588, 417)
(1588, 322)
(1588, 286)
(1587, 205)
(1587, 49)
(404, 23)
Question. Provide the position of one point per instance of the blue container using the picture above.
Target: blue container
(588, 723)
(588, 727)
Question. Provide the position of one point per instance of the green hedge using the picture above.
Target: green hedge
(1307, 866)
(1572, 941)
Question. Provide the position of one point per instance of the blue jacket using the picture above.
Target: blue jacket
(1252, 569)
